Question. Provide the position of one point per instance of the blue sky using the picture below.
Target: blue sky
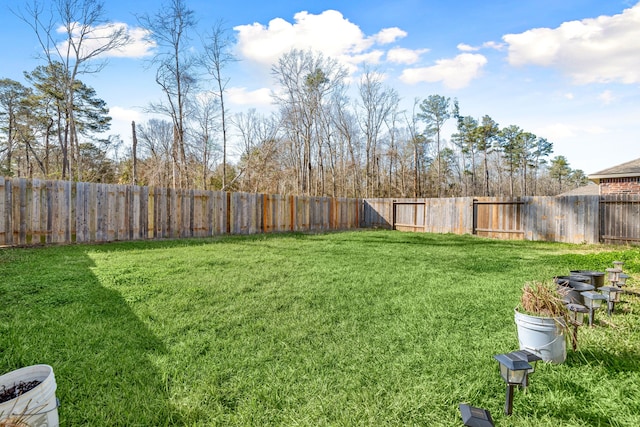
(565, 70)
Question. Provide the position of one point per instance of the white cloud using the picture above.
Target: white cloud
(242, 96)
(124, 114)
(562, 131)
(467, 48)
(454, 73)
(596, 130)
(121, 119)
(95, 37)
(373, 77)
(557, 131)
(389, 35)
(463, 47)
(328, 32)
(598, 50)
(606, 97)
(569, 95)
(265, 44)
(372, 57)
(400, 55)
(493, 45)
(140, 45)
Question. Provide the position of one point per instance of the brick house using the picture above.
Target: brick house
(621, 179)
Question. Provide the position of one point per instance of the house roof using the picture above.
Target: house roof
(623, 170)
(591, 189)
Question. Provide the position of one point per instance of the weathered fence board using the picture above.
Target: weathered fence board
(346, 213)
(246, 213)
(499, 218)
(276, 213)
(300, 213)
(38, 209)
(378, 213)
(450, 215)
(319, 213)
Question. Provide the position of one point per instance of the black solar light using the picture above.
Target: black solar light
(529, 357)
(614, 275)
(622, 279)
(576, 318)
(593, 301)
(475, 417)
(576, 314)
(514, 370)
(611, 293)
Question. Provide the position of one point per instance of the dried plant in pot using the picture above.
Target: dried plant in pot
(542, 299)
(541, 320)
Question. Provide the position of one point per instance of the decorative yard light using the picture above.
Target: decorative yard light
(530, 358)
(576, 318)
(618, 264)
(611, 293)
(514, 370)
(622, 279)
(475, 417)
(614, 275)
(593, 301)
(576, 314)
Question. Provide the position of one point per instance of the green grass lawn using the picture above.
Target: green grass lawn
(370, 328)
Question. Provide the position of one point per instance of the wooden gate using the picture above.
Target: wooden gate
(499, 218)
(620, 219)
(409, 216)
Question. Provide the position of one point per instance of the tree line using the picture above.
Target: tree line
(326, 137)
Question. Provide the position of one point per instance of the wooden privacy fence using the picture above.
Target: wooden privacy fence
(570, 219)
(41, 212)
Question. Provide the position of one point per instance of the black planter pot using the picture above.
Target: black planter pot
(597, 277)
(571, 289)
(575, 278)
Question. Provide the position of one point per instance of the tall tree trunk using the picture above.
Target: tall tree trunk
(134, 154)
(486, 175)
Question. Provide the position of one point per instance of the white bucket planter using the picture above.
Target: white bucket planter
(543, 336)
(38, 406)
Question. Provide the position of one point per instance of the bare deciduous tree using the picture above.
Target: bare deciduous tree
(170, 29)
(376, 103)
(434, 111)
(204, 128)
(86, 36)
(307, 82)
(155, 139)
(217, 56)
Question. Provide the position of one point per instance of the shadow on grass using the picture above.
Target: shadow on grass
(391, 237)
(574, 414)
(56, 312)
(616, 363)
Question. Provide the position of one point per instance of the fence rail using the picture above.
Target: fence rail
(45, 212)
